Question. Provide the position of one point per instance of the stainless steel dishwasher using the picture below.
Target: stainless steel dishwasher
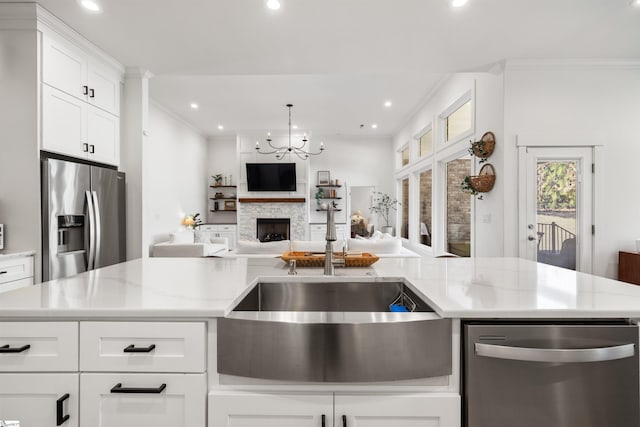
(551, 375)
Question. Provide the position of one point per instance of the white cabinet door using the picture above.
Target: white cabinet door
(270, 410)
(143, 400)
(64, 66)
(103, 136)
(413, 410)
(104, 88)
(228, 231)
(64, 123)
(39, 400)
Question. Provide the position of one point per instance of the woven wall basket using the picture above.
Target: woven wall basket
(483, 182)
(489, 140)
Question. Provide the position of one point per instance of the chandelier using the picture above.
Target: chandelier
(298, 150)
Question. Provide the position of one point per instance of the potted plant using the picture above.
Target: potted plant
(382, 205)
(319, 197)
(217, 179)
(483, 148)
(467, 187)
(192, 221)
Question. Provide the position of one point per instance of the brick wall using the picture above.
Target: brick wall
(458, 208)
(426, 192)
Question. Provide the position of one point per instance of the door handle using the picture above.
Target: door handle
(85, 90)
(85, 147)
(531, 238)
(7, 349)
(98, 228)
(133, 349)
(92, 148)
(344, 421)
(92, 93)
(119, 389)
(581, 355)
(61, 419)
(323, 420)
(92, 232)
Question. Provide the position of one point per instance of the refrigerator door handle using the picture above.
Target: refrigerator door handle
(92, 232)
(97, 228)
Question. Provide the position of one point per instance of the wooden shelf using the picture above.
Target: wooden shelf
(331, 198)
(223, 210)
(223, 198)
(272, 200)
(324, 210)
(328, 186)
(223, 186)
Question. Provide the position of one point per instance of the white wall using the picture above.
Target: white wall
(221, 158)
(175, 158)
(19, 167)
(588, 104)
(486, 89)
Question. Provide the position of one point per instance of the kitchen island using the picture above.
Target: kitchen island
(137, 342)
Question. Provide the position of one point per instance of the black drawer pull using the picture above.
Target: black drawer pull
(91, 93)
(92, 149)
(119, 389)
(7, 349)
(133, 349)
(323, 417)
(85, 90)
(61, 419)
(85, 147)
(344, 421)
(3, 272)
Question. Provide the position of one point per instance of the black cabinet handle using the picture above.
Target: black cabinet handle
(92, 93)
(8, 349)
(119, 389)
(92, 149)
(85, 147)
(344, 421)
(61, 419)
(85, 90)
(3, 272)
(323, 417)
(133, 349)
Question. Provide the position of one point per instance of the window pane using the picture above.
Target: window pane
(405, 156)
(425, 207)
(404, 232)
(459, 121)
(426, 143)
(458, 209)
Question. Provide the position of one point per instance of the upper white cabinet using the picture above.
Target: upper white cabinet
(73, 71)
(80, 102)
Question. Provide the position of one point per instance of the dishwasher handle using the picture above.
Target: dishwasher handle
(581, 355)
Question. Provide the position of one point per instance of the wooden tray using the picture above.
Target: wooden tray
(313, 259)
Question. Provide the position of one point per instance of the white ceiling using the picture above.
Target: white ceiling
(337, 61)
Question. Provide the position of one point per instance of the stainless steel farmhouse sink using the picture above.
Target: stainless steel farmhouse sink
(333, 332)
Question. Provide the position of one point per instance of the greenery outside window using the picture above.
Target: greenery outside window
(404, 230)
(459, 122)
(426, 191)
(426, 143)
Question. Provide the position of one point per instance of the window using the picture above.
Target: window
(458, 122)
(458, 208)
(426, 182)
(404, 154)
(426, 143)
(404, 230)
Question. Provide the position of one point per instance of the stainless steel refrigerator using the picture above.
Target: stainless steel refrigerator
(83, 218)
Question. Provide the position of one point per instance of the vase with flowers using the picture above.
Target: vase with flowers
(383, 204)
(192, 221)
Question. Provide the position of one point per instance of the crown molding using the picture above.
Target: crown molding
(573, 64)
(138, 72)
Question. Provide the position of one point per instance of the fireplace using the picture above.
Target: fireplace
(272, 229)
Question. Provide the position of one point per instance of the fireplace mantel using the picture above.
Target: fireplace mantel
(272, 200)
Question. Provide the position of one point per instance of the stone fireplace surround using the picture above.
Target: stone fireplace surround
(248, 214)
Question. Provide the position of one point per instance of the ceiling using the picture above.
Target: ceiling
(337, 61)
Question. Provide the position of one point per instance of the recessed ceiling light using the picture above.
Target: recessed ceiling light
(636, 3)
(387, 104)
(91, 5)
(194, 106)
(273, 4)
(374, 126)
(458, 3)
(220, 127)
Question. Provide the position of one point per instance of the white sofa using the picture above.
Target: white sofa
(189, 243)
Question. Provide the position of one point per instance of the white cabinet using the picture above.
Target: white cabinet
(75, 72)
(227, 409)
(424, 410)
(223, 230)
(80, 103)
(318, 232)
(270, 410)
(143, 400)
(40, 400)
(16, 272)
(38, 346)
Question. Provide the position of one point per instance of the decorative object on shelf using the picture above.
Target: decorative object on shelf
(382, 205)
(319, 196)
(481, 183)
(192, 221)
(215, 206)
(323, 177)
(218, 195)
(217, 179)
(298, 150)
(483, 149)
(230, 205)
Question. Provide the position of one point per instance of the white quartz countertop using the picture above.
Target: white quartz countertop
(208, 287)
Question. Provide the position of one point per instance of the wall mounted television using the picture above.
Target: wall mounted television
(271, 176)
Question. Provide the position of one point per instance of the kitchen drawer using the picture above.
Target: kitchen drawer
(16, 269)
(142, 347)
(22, 283)
(158, 400)
(53, 346)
